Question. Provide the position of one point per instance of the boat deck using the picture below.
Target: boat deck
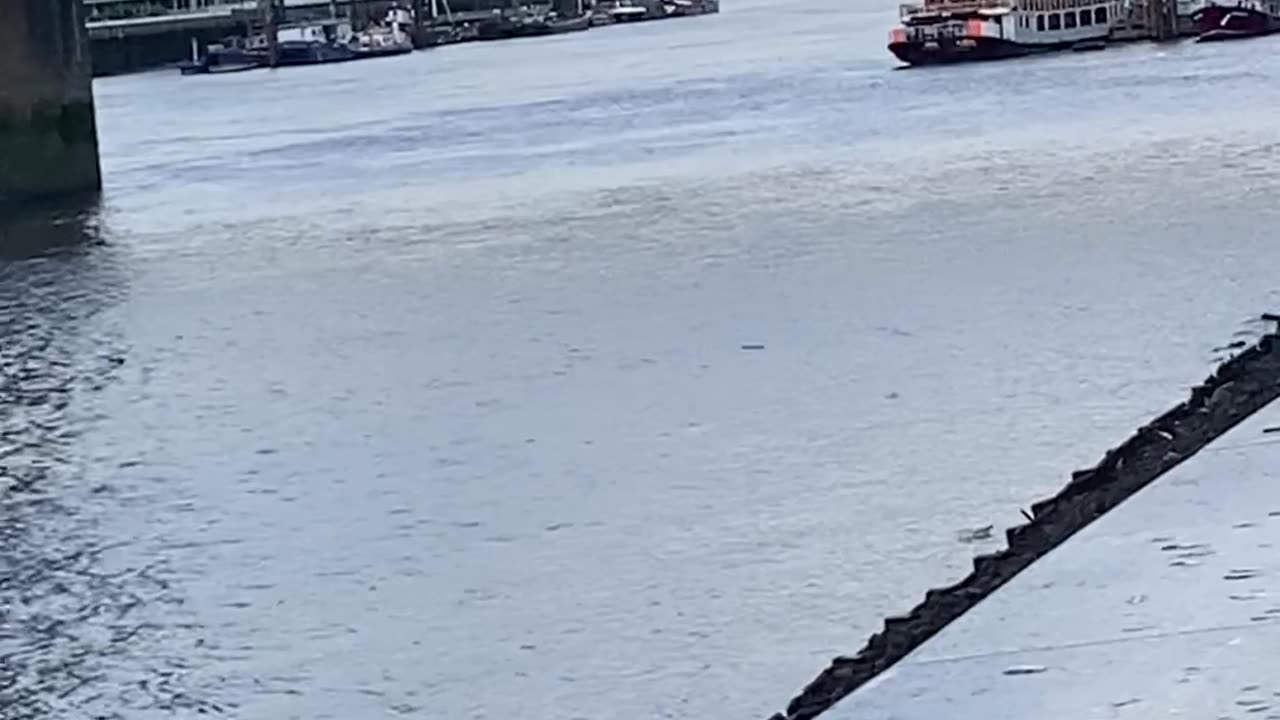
(1166, 607)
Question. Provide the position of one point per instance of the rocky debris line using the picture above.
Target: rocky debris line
(1239, 387)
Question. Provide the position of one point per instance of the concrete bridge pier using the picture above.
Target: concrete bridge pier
(48, 135)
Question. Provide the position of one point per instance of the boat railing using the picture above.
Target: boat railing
(949, 6)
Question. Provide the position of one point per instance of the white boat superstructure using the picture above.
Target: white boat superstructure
(939, 31)
(395, 33)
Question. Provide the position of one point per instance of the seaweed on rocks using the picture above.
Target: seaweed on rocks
(1239, 387)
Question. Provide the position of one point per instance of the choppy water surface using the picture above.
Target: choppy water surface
(418, 386)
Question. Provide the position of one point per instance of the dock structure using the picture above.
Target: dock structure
(1157, 20)
(1149, 586)
(1162, 19)
(131, 35)
(48, 134)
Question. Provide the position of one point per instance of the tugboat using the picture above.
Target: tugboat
(950, 31)
(393, 37)
(315, 43)
(1249, 18)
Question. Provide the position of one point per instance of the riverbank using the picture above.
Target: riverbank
(133, 44)
(1240, 387)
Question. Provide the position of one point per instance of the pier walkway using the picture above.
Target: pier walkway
(1168, 606)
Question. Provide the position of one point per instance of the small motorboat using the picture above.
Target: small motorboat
(555, 25)
(219, 59)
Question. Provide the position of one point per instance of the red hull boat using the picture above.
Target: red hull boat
(1215, 23)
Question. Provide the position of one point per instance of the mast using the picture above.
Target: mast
(272, 23)
(418, 38)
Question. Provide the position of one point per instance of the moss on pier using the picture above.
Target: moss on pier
(47, 147)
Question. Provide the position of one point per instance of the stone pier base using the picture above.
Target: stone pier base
(48, 137)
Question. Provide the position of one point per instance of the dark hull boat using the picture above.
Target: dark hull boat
(1217, 23)
(290, 54)
(503, 28)
(956, 50)
(567, 25)
(230, 60)
(954, 31)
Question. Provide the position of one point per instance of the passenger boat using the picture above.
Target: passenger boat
(1246, 19)
(949, 31)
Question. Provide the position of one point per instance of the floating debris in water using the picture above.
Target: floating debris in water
(752, 346)
(1137, 599)
(976, 534)
(1025, 670)
(1171, 547)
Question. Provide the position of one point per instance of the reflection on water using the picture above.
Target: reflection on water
(68, 617)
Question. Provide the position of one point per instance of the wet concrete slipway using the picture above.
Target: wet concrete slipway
(1167, 607)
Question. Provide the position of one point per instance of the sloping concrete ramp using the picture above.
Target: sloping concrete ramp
(1160, 608)
(1167, 607)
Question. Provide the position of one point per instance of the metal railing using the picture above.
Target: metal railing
(950, 6)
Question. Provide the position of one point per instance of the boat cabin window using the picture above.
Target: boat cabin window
(1069, 19)
(1086, 17)
(1040, 22)
(1100, 16)
(1055, 21)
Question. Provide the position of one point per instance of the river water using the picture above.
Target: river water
(630, 374)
